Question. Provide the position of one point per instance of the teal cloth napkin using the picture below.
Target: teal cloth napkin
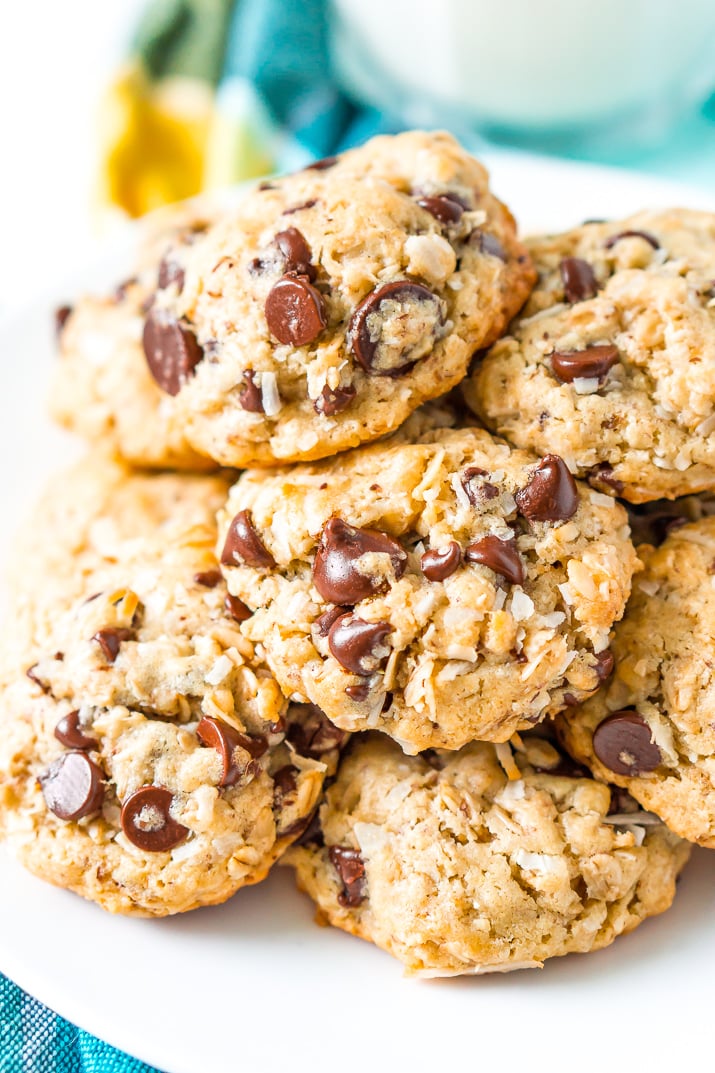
(33, 1039)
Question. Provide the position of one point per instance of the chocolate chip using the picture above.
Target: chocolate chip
(623, 742)
(591, 363)
(326, 620)
(62, 315)
(69, 732)
(334, 400)
(604, 664)
(170, 272)
(610, 242)
(322, 165)
(236, 608)
(489, 244)
(337, 573)
(313, 833)
(73, 786)
(250, 397)
(621, 801)
(477, 491)
(147, 822)
(551, 494)
(32, 675)
(284, 784)
(110, 639)
(122, 289)
(208, 578)
(310, 731)
(171, 349)
(351, 868)
(358, 693)
(394, 326)
(243, 544)
(578, 279)
(567, 768)
(501, 556)
(296, 252)
(440, 563)
(444, 208)
(225, 739)
(357, 645)
(295, 311)
(601, 476)
(299, 208)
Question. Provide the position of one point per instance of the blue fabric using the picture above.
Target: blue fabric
(33, 1039)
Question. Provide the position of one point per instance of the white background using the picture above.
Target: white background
(55, 58)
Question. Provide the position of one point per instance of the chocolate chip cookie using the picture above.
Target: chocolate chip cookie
(101, 386)
(148, 760)
(484, 860)
(317, 314)
(442, 590)
(612, 363)
(652, 730)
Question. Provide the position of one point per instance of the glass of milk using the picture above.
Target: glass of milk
(529, 71)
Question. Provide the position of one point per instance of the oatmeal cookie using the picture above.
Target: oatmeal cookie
(319, 312)
(612, 363)
(441, 590)
(148, 760)
(652, 731)
(454, 865)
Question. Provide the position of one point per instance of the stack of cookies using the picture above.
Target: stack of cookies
(411, 647)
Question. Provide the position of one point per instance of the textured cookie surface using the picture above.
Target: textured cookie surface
(455, 868)
(653, 729)
(147, 760)
(101, 386)
(319, 312)
(442, 590)
(612, 363)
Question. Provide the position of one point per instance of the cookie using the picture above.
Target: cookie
(484, 860)
(148, 760)
(612, 363)
(101, 385)
(652, 730)
(442, 590)
(318, 313)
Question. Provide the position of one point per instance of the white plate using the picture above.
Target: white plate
(254, 984)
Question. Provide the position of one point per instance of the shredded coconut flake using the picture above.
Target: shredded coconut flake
(461, 652)
(220, 670)
(269, 394)
(506, 759)
(499, 599)
(585, 385)
(599, 499)
(706, 427)
(461, 495)
(522, 606)
(545, 863)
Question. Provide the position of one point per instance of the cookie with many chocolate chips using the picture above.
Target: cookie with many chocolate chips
(148, 760)
(441, 589)
(320, 311)
(652, 730)
(612, 361)
(484, 860)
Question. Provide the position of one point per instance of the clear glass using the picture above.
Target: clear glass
(545, 74)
